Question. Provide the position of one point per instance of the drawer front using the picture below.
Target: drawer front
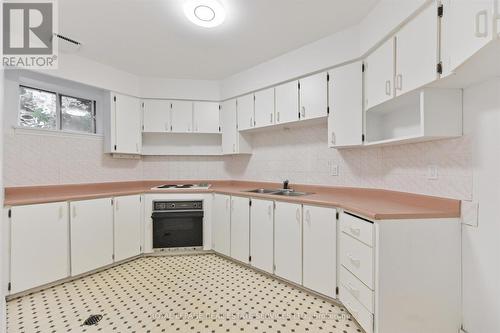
(357, 228)
(357, 310)
(357, 258)
(357, 289)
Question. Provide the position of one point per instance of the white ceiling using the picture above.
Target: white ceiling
(153, 37)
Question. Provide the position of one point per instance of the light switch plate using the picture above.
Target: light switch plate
(334, 169)
(432, 172)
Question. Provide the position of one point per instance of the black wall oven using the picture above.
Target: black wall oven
(177, 224)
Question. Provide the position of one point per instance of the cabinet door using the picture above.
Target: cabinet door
(182, 116)
(156, 114)
(229, 131)
(245, 108)
(91, 235)
(261, 234)
(206, 117)
(466, 27)
(264, 108)
(314, 96)
(379, 75)
(345, 121)
(287, 102)
(417, 51)
(127, 226)
(240, 228)
(320, 250)
(126, 116)
(39, 245)
(221, 224)
(288, 241)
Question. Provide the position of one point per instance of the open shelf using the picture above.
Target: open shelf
(420, 115)
(181, 144)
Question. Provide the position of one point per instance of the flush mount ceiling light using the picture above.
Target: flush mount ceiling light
(205, 13)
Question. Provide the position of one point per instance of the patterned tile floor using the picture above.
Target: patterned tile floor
(198, 293)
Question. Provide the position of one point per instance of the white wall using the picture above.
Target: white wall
(481, 245)
(327, 52)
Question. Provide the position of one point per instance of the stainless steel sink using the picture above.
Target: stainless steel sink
(264, 191)
(290, 193)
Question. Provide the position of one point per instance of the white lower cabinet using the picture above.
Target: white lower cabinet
(127, 226)
(262, 234)
(240, 229)
(320, 253)
(91, 234)
(39, 245)
(221, 224)
(288, 241)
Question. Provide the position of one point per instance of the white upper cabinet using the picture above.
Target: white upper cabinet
(127, 226)
(287, 102)
(264, 108)
(91, 235)
(182, 116)
(466, 27)
(126, 124)
(221, 224)
(240, 229)
(345, 121)
(261, 234)
(232, 141)
(320, 241)
(245, 107)
(314, 96)
(156, 116)
(417, 51)
(206, 117)
(39, 245)
(379, 74)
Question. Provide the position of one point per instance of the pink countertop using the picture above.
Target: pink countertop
(372, 203)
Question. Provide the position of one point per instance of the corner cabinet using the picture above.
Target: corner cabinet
(221, 225)
(91, 234)
(39, 245)
(206, 117)
(127, 226)
(233, 142)
(124, 135)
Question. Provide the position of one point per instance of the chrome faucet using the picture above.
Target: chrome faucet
(285, 184)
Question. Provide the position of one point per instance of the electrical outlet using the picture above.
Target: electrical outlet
(432, 172)
(334, 169)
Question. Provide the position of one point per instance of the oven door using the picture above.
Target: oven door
(177, 229)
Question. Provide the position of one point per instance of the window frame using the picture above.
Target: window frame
(58, 110)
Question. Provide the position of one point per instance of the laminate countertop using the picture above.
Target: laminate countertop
(374, 204)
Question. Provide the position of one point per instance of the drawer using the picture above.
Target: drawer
(357, 257)
(357, 289)
(357, 310)
(357, 228)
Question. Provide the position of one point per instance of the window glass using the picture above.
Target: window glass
(77, 114)
(37, 108)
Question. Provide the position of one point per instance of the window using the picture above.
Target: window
(51, 110)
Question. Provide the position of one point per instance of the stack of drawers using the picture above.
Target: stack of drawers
(357, 285)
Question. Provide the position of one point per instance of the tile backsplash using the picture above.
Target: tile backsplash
(298, 154)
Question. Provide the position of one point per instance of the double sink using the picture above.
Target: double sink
(284, 192)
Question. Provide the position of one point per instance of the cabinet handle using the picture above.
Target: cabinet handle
(482, 13)
(137, 147)
(251, 121)
(278, 117)
(116, 204)
(234, 147)
(227, 203)
(297, 214)
(303, 112)
(232, 205)
(74, 212)
(333, 138)
(399, 82)
(352, 289)
(60, 212)
(271, 118)
(269, 210)
(388, 87)
(355, 262)
(166, 127)
(496, 23)
(308, 216)
(355, 231)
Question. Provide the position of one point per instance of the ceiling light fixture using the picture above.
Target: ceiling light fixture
(205, 13)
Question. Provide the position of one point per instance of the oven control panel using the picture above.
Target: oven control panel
(177, 205)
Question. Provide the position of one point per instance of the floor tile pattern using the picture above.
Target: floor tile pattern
(196, 293)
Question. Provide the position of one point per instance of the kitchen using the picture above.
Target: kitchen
(193, 166)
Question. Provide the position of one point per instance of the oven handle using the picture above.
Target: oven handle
(178, 213)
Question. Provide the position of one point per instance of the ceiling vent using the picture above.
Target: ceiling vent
(67, 44)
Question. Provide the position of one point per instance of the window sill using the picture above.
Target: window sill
(17, 130)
